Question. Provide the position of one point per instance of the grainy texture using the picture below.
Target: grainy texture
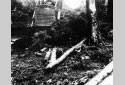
(31, 44)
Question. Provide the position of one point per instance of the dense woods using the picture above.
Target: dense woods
(63, 53)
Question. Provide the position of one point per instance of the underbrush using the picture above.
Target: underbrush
(28, 67)
(27, 59)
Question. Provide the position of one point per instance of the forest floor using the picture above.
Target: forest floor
(28, 68)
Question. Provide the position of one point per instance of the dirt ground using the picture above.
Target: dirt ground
(28, 67)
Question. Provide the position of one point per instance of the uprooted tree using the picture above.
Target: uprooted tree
(74, 45)
(89, 20)
(84, 23)
(75, 27)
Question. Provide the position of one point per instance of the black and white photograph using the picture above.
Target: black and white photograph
(61, 42)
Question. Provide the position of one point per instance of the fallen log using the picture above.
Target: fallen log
(53, 61)
(102, 76)
(107, 81)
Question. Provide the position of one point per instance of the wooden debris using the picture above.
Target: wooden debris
(104, 74)
(54, 61)
(48, 54)
(43, 49)
(53, 55)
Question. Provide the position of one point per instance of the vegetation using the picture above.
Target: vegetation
(28, 61)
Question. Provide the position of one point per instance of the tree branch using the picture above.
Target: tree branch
(55, 61)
